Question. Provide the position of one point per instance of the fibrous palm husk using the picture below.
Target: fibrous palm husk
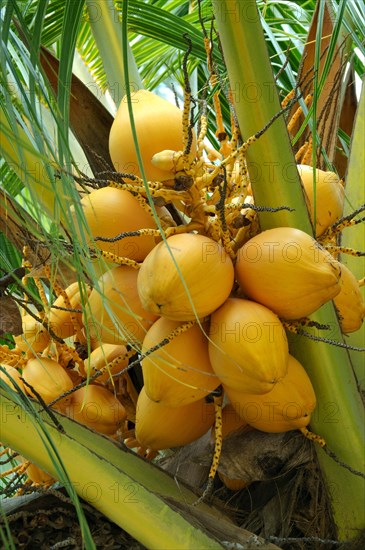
(286, 496)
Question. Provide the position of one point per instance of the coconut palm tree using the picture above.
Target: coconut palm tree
(66, 66)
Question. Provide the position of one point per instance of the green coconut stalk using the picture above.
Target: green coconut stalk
(272, 167)
(339, 416)
(355, 236)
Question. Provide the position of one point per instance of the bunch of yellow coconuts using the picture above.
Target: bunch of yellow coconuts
(202, 311)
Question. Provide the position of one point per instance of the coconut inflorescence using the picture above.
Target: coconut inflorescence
(195, 292)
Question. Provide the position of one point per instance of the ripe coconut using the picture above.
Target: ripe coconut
(36, 474)
(327, 194)
(159, 127)
(109, 212)
(287, 407)
(248, 348)
(179, 372)
(11, 375)
(39, 476)
(160, 427)
(199, 283)
(96, 407)
(48, 378)
(101, 357)
(61, 320)
(287, 271)
(349, 302)
(115, 314)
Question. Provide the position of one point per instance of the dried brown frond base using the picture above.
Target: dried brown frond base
(48, 520)
(286, 502)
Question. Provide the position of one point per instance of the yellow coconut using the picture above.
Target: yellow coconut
(287, 271)
(159, 127)
(233, 484)
(61, 320)
(39, 476)
(287, 407)
(248, 348)
(35, 336)
(349, 302)
(115, 314)
(11, 375)
(35, 474)
(179, 372)
(109, 212)
(200, 284)
(327, 195)
(159, 427)
(96, 407)
(48, 379)
(101, 357)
